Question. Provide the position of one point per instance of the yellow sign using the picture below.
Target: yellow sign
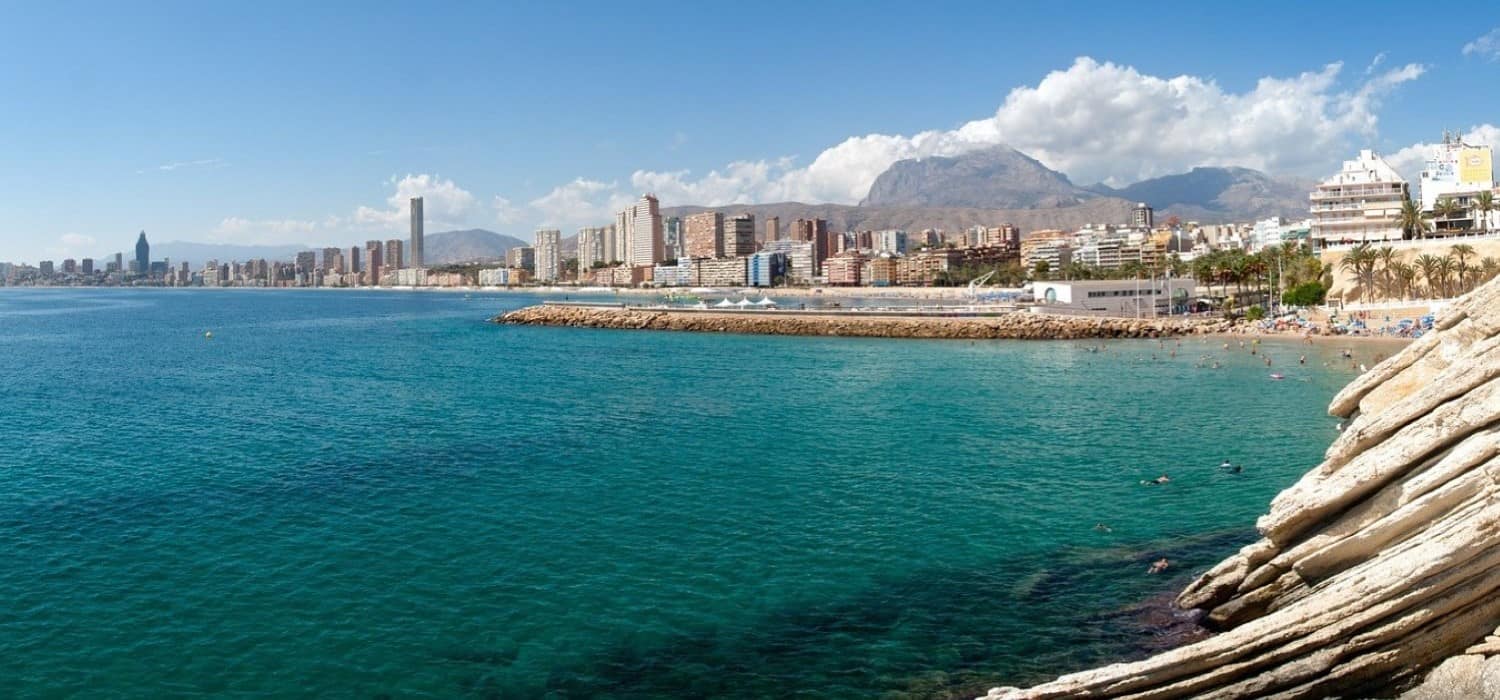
(1474, 165)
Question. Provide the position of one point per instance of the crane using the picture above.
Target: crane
(977, 281)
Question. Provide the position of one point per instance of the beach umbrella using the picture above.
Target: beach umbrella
(724, 302)
(743, 302)
(765, 301)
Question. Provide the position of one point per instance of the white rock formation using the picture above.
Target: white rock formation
(1377, 566)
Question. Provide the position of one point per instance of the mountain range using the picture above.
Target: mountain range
(1001, 185)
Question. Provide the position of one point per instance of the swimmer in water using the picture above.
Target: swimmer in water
(1159, 566)
(1302, 360)
(1101, 527)
(1225, 464)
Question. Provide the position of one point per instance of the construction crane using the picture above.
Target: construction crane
(975, 283)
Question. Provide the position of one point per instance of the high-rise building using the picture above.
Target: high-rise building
(591, 247)
(1456, 171)
(624, 220)
(395, 258)
(521, 258)
(673, 237)
(703, 235)
(307, 267)
(1361, 203)
(120, 263)
(44, 268)
(353, 260)
(142, 255)
(416, 233)
(773, 229)
(548, 255)
(333, 261)
(375, 257)
(1142, 216)
(889, 241)
(88, 266)
(645, 243)
(815, 231)
(739, 236)
(70, 266)
(608, 240)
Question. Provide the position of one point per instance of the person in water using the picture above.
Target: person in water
(1225, 464)
(1101, 527)
(1157, 481)
(1159, 566)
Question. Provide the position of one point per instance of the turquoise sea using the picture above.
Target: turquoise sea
(380, 494)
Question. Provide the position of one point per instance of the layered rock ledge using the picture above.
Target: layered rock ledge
(1379, 565)
(1018, 325)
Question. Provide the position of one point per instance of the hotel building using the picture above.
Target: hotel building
(1361, 203)
(416, 233)
(548, 255)
(1457, 171)
(703, 235)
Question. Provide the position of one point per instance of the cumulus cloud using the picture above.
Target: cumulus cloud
(1487, 46)
(505, 212)
(580, 202)
(443, 203)
(1095, 121)
(1409, 160)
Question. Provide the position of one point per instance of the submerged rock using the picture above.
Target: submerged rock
(1379, 565)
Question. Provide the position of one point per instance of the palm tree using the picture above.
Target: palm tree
(1462, 252)
(1484, 203)
(1406, 278)
(1489, 268)
(1359, 261)
(1446, 267)
(1414, 223)
(1386, 256)
(1429, 265)
(1446, 208)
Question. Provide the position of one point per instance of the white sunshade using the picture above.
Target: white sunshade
(765, 301)
(744, 302)
(724, 302)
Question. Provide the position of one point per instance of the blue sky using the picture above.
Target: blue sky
(311, 122)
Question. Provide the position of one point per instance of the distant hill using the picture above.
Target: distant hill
(470, 245)
(1219, 194)
(195, 254)
(993, 178)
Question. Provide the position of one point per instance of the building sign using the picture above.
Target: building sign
(1474, 166)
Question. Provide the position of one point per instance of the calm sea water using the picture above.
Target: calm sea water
(366, 493)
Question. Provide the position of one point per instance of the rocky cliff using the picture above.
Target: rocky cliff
(1380, 564)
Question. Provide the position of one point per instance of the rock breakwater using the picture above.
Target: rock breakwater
(1380, 564)
(1018, 325)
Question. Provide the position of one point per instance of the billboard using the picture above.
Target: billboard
(1474, 165)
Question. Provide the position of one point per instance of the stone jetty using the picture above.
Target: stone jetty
(1378, 573)
(1018, 325)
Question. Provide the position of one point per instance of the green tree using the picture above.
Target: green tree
(1483, 203)
(1305, 294)
(1461, 253)
(1430, 267)
(1414, 223)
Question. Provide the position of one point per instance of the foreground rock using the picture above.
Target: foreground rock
(1377, 566)
(1011, 326)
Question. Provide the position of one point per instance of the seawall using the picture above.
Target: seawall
(1018, 325)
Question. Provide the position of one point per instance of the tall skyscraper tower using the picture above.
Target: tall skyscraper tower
(415, 253)
(142, 255)
(645, 233)
(548, 255)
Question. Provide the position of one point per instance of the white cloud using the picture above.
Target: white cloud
(1409, 160)
(169, 167)
(1487, 46)
(443, 203)
(1375, 63)
(505, 212)
(581, 202)
(73, 245)
(1094, 121)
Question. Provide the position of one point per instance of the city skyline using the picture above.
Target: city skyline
(175, 165)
